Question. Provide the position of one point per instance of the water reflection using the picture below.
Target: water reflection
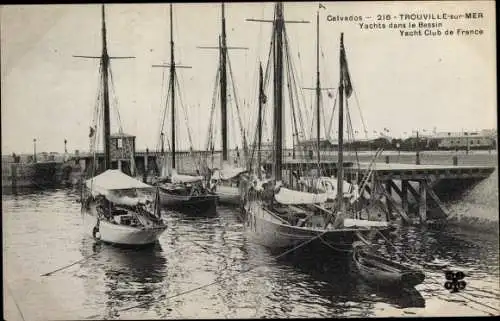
(131, 276)
(43, 230)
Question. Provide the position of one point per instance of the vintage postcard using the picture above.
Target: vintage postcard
(249, 160)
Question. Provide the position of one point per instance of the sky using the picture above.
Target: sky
(401, 83)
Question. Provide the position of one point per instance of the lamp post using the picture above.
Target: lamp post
(417, 149)
(466, 134)
(34, 150)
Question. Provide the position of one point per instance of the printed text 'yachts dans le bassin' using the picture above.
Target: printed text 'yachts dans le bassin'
(418, 24)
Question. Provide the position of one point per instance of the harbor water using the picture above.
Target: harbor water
(207, 268)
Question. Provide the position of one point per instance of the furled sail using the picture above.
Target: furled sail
(349, 222)
(227, 173)
(288, 196)
(114, 197)
(178, 178)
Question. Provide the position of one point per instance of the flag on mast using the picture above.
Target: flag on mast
(345, 69)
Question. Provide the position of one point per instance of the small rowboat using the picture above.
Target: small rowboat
(386, 273)
(437, 264)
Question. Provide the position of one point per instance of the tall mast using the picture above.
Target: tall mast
(105, 67)
(278, 91)
(340, 162)
(105, 76)
(223, 86)
(259, 123)
(318, 89)
(172, 84)
(278, 27)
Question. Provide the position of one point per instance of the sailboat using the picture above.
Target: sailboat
(186, 193)
(318, 182)
(225, 180)
(279, 217)
(117, 208)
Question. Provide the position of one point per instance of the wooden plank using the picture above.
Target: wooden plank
(389, 192)
(404, 195)
(396, 188)
(422, 204)
(413, 192)
(403, 215)
(436, 199)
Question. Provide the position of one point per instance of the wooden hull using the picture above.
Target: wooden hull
(265, 229)
(201, 204)
(120, 234)
(377, 270)
(228, 195)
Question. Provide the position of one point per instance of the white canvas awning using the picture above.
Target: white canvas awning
(114, 179)
(112, 183)
(288, 196)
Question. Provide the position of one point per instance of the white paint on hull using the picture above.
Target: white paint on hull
(121, 234)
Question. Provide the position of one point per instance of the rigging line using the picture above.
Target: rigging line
(359, 109)
(165, 109)
(267, 76)
(265, 84)
(191, 154)
(333, 114)
(115, 99)
(255, 80)
(97, 133)
(300, 60)
(128, 143)
(237, 112)
(352, 136)
(184, 109)
(15, 301)
(69, 265)
(232, 276)
(95, 123)
(323, 111)
(290, 93)
(293, 68)
(215, 95)
(245, 145)
(162, 107)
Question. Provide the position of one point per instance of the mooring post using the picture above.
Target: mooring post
(404, 196)
(422, 201)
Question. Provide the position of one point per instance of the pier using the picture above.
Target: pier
(414, 193)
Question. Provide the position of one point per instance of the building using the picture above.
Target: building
(324, 144)
(483, 139)
(122, 151)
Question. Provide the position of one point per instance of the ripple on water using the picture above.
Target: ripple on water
(42, 232)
